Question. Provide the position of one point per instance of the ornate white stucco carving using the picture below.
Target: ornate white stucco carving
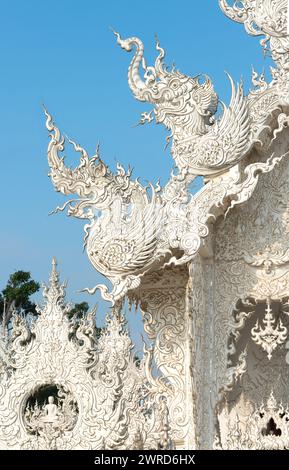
(99, 399)
(266, 18)
(130, 231)
(200, 266)
(166, 321)
(201, 144)
(262, 428)
(252, 262)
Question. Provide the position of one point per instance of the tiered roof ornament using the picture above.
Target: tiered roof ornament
(63, 388)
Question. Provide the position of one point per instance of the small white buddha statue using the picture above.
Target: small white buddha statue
(51, 411)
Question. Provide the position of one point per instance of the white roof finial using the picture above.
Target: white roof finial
(54, 278)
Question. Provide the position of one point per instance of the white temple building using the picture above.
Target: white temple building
(209, 271)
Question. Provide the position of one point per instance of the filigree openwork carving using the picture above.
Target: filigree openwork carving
(51, 418)
(246, 427)
(232, 236)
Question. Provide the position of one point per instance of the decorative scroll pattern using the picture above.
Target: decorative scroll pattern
(163, 303)
(251, 253)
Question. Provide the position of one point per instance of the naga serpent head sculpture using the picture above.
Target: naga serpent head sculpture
(133, 229)
(181, 102)
(186, 107)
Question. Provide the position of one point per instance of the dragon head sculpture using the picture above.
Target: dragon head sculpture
(201, 144)
(182, 103)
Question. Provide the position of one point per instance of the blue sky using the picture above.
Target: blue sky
(62, 53)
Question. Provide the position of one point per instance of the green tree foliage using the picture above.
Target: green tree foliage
(79, 311)
(16, 295)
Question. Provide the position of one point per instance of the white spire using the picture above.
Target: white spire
(54, 276)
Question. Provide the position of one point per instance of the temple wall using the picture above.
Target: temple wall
(251, 265)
